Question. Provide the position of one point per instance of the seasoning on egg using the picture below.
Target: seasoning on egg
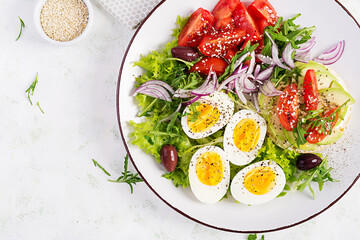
(64, 20)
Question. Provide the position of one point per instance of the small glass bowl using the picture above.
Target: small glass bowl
(40, 30)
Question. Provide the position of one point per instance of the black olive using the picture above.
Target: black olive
(308, 161)
(188, 54)
(169, 157)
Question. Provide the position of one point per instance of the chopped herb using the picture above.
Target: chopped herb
(194, 113)
(38, 104)
(22, 25)
(127, 177)
(96, 164)
(315, 119)
(254, 237)
(31, 89)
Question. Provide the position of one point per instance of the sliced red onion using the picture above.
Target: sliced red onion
(255, 101)
(156, 82)
(257, 70)
(240, 60)
(287, 55)
(265, 74)
(169, 117)
(252, 63)
(155, 88)
(239, 92)
(181, 93)
(268, 89)
(240, 69)
(156, 93)
(207, 89)
(275, 53)
(305, 47)
(265, 59)
(304, 57)
(246, 85)
(332, 54)
(194, 99)
(228, 80)
(205, 83)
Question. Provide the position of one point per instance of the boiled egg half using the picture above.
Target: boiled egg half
(209, 174)
(244, 136)
(258, 183)
(213, 113)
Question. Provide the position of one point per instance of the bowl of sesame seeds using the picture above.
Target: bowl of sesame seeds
(63, 22)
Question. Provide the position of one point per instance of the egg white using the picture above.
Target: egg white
(226, 108)
(205, 193)
(235, 155)
(241, 194)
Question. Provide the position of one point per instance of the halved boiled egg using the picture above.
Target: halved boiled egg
(258, 183)
(244, 136)
(213, 113)
(209, 174)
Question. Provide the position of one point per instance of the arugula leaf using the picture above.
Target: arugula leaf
(96, 164)
(127, 176)
(299, 134)
(22, 25)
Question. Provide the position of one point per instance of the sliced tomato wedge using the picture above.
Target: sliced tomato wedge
(262, 24)
(222, 13)
(199, 24)
(288, 107)
(311, 92)
(315, 135)
(218, 65)
(218, 44)
(243, 20)
(230, 54)
(262, 9)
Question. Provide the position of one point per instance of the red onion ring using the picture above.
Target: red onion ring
(303, 57)
(265, 74)
(332, 54)
(268, 89)
(287, 55)
(275, 53)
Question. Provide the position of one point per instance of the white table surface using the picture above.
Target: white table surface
(49, 187)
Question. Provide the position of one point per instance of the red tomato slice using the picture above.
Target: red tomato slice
(222, 13)
(262, 24)
(314, 133)
(230, 54)
(218, 65)
(243, 20)
(262, 9)
(288, 107)
(311, 92)
(199, 24)
(219, 44)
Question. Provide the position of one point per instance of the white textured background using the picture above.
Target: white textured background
(49, 188)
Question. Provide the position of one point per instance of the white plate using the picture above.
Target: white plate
(333, 24)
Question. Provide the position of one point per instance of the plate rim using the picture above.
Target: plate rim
(141, 23)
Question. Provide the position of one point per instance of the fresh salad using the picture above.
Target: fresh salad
(236, 106)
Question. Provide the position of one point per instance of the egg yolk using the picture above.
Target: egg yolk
(260, 180)
(208, 116)
(246, 134)
(209, 168)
